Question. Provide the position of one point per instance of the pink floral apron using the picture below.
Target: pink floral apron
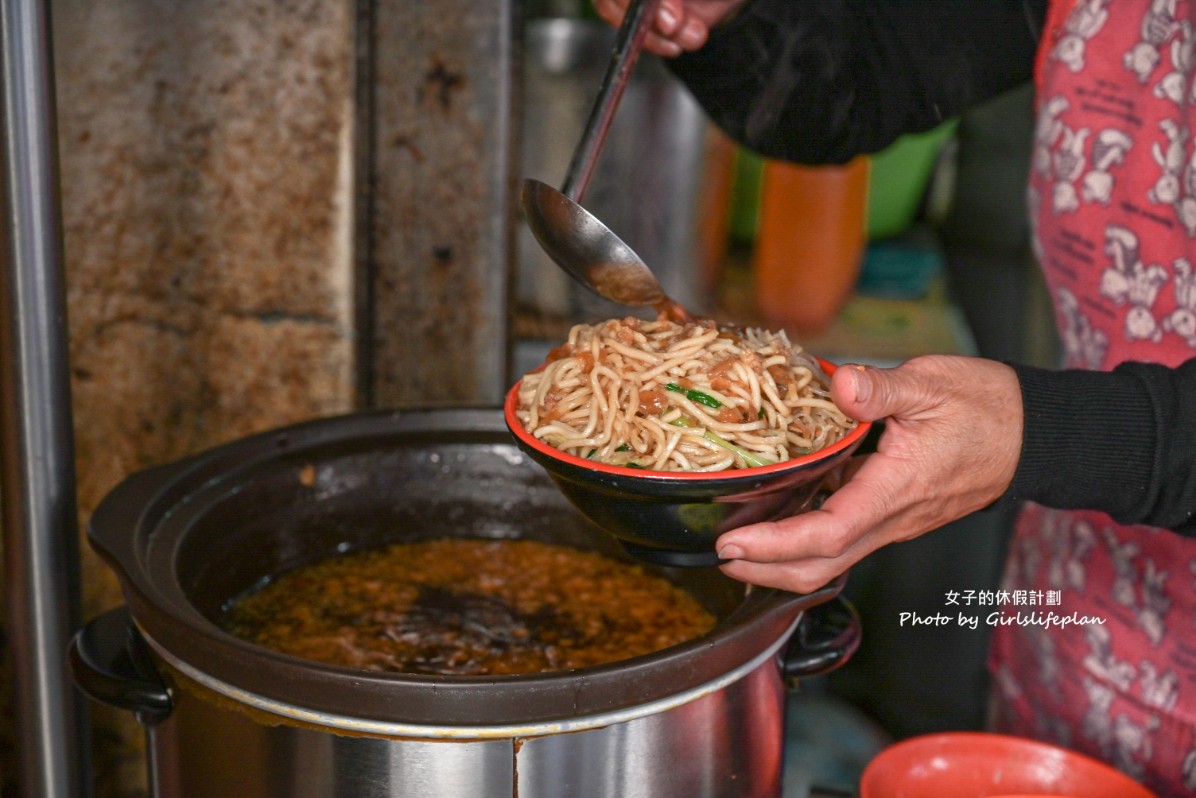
(1113, 203)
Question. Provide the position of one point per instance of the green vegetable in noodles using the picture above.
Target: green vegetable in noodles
(751, 459)
(695, 396)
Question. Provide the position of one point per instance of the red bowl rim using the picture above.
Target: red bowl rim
(936, 741)
(850, 440)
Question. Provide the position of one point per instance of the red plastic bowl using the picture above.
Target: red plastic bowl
(984, 765)
(674, 517)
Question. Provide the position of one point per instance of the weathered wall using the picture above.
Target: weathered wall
(441, 143)
(246, 185)
(206, 166)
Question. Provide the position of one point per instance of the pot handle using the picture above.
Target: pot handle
(826, 637)
(110, 663)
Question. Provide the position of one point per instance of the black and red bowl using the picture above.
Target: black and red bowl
(675, 517)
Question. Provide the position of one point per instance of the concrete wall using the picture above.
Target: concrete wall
(207, 164)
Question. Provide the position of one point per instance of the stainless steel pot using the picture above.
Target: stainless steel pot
(224, 717)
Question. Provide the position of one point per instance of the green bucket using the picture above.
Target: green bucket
(898, 179)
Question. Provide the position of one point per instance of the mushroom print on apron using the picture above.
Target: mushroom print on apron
(1112, 199)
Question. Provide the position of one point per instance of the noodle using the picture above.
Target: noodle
(671, 396)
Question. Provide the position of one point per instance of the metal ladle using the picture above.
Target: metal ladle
(572, 236)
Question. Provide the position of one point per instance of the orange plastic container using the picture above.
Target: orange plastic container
(810, 241)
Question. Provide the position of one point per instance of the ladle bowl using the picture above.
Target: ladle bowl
(587, 249)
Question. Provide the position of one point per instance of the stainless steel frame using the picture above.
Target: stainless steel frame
(37, 476)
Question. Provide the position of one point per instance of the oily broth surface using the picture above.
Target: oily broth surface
(469, 607)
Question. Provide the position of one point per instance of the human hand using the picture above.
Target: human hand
(952, 438)
(680, 25)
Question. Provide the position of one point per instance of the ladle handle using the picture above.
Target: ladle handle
(628, 43)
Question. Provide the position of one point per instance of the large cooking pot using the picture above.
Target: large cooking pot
(225, 717)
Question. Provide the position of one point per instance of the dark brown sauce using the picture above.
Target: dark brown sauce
(468, 607)
(672, 310)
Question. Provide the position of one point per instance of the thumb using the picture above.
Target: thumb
(867, 393)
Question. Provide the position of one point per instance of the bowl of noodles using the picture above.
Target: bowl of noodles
(668, 433)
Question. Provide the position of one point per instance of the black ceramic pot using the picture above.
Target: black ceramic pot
(188, 537)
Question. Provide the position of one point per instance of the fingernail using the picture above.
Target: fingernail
(667, 21)
(692, 35)
(730, 552)
(668, 48)
(862, 383)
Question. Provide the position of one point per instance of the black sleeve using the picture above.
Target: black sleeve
(1123, 442)
(821, 81)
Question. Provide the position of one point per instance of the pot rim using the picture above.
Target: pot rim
(304, 715)
(151, 506)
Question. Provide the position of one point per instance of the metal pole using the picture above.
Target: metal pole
(37, 477)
